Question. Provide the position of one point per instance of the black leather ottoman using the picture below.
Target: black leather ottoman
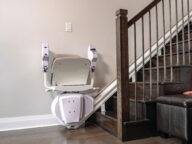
(174, 116)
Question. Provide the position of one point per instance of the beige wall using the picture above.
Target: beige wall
(24, 24)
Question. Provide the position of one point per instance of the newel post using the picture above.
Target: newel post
(122, 57)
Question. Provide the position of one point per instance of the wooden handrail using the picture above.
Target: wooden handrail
(142, 13)
(122, 61)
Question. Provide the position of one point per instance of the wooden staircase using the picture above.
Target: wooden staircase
(145, 124)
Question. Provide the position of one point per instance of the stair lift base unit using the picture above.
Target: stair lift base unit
(72, 108)
(67, 77)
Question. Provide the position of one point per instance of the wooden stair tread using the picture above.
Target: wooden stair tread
(144, 101)
(109, 114)
(139, 82)
(165, 82)
(173, 54)
(174, 59)
(174, 66)
(113, 116)
(185, 33)
(135, 121)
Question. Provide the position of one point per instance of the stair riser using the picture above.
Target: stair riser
(106, 123)
(140, 110)
(174, 56)
(174, 60)
(135, 130)
(180, 37)
(176, 77)
(180, 74)
(141, 106)
(180, 45)
(140, 91)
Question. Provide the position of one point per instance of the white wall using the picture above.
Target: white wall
(24, 24)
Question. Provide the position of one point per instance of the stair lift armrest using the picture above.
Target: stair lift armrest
(92, 81)
(47, 60)
(48, 86)
(92, 56)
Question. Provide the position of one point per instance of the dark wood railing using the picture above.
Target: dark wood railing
(142, 13)
(122, 56)
(123, 84)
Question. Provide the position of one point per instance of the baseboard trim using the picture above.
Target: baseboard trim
(27, 122)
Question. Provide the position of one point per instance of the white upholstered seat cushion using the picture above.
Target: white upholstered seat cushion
(70, 70)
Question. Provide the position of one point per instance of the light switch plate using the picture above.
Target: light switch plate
(68, 27)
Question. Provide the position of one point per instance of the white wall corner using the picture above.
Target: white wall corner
(26, 122)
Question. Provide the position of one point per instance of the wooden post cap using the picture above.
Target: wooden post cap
(121, 12)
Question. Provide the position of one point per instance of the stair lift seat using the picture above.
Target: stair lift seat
(69, 77)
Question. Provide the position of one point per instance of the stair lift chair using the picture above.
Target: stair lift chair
(69, 77)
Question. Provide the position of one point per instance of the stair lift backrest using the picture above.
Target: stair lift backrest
(70, 71)
(78, 78)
